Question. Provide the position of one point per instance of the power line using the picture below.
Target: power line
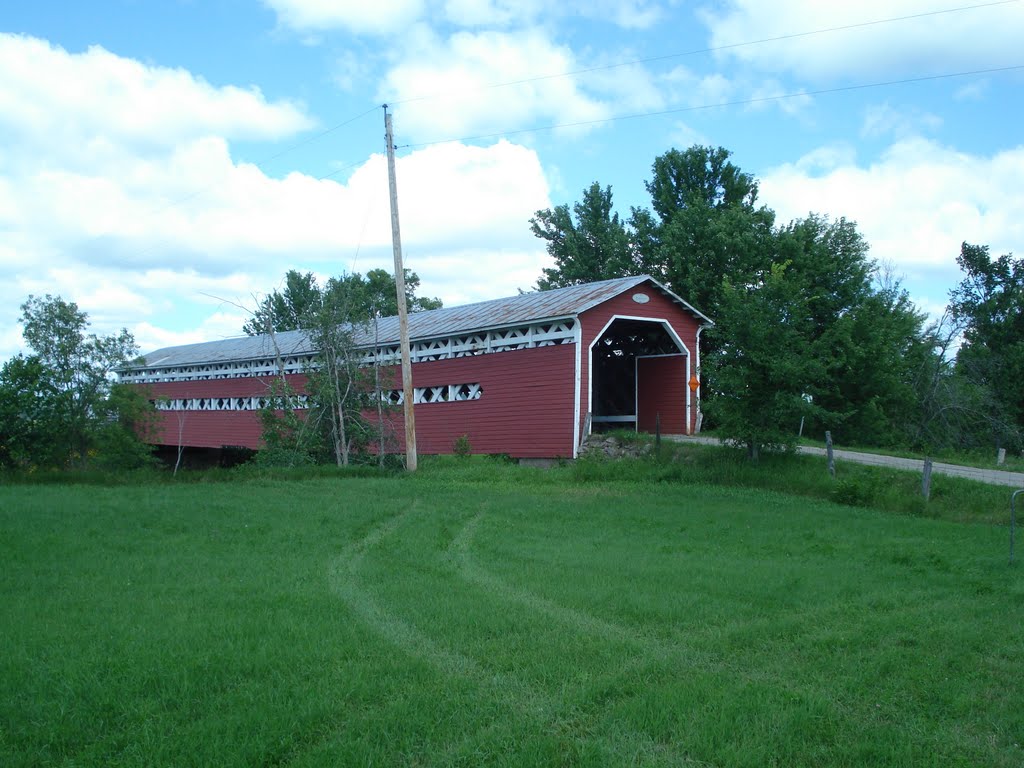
(714, 49)
(739, 102)
(316, 137)
(339, 170)
(311, 139)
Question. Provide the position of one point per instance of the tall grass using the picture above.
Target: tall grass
(479, 613)
(857, 485)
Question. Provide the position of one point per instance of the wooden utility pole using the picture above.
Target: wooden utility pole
(403, 312)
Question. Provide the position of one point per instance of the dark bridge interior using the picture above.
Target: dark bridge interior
(614, 369)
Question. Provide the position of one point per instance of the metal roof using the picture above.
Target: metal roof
(431, 324)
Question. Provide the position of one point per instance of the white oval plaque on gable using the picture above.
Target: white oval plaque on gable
(641, 298)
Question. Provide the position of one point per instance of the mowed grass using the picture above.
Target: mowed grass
(480, 614)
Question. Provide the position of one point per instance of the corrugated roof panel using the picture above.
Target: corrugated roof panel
(242, 348)
(437, 323)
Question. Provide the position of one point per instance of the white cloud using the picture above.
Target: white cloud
(390, 16)
(235, 238)
(381, 17)
(685, 86)
(458, 76)
(350, 69)
(886, 120)
(628, 14)
(155, 236)
(914, 205)
(772, 93)
(973, 91)
(930, 43)
(684, 135)
(94, 102)
(492, 13)
(630, 88)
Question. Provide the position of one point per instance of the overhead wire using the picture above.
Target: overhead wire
(712, 49)
(315, 137)
(715, 105)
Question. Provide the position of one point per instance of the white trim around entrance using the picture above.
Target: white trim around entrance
(671, 332)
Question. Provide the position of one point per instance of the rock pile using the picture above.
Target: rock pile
(613, 448)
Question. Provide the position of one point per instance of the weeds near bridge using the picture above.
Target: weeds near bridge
(855, 485)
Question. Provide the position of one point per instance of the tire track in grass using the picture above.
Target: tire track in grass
(343, 580)
(519, 695)
(556, 715)
(648, 648)
(635, 746)
(459, 552)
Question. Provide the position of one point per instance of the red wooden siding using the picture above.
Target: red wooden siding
(525, 411)
(212, 429)
(661, 390)
(659, 307)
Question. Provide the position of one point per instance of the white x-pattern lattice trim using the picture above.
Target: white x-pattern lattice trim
(446, 393)
(468, 345)
(225, 403)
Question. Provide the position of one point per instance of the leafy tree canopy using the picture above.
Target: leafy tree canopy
(701, 177)
(60, 406)
(589, 243)
(764, 361)
(706, 237)
(351, 295)
(989, 305)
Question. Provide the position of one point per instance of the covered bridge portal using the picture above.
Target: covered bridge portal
(528, 376)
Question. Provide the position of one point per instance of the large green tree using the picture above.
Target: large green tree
(708, 239)
(588, 243)
(31, 429)
(873, 334)
(359, 298)
(989, 304)
(763, 361)
(60, 406)
(705, 226)
(952, 411)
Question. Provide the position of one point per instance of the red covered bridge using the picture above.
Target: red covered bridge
(526, 376)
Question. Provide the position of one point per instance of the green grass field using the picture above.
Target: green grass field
(483, 614)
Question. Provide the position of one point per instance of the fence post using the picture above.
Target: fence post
(831, 458)
(926, 480)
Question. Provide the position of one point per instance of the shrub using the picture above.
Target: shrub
(462, 446)
(852, 493)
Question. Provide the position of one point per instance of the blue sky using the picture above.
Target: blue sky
(164, 162)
